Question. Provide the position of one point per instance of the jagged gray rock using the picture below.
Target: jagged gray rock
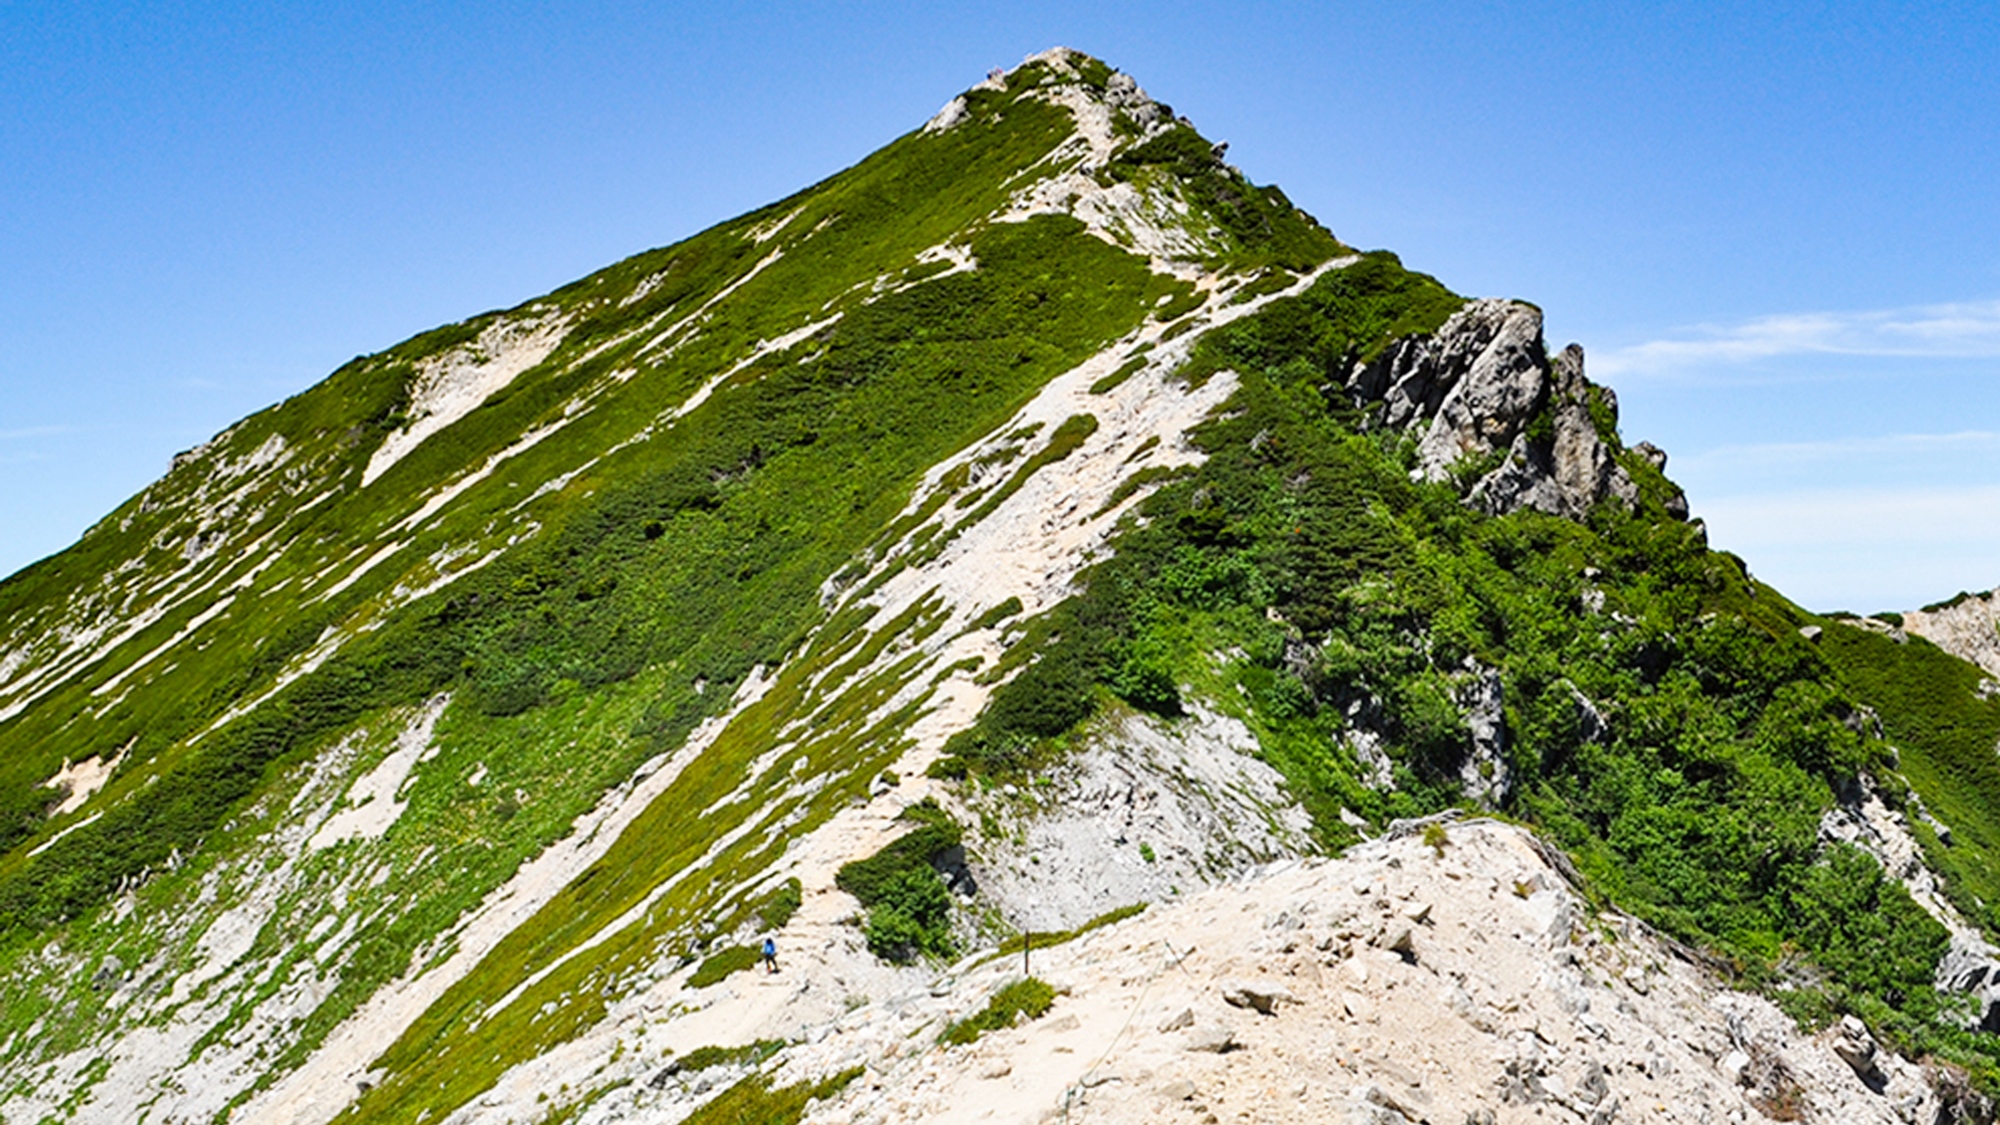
(1484, 773)
(1483, 387)
(1971, 967)
(1122, 91)
(1590, 722)
(1366, 740)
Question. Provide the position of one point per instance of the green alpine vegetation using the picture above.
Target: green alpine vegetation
(1027, 998)
(908, 903)
(475, 706)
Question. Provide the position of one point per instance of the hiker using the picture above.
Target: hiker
(770, 955)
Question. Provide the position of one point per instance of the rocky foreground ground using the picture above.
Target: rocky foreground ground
(1452, 981)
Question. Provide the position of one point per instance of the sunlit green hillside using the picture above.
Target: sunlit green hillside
(507, 673)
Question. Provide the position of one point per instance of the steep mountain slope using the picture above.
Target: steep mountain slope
(1034, 520)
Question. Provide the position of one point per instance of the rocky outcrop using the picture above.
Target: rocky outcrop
(1971, 965)
(1488, 403)
(1484, 773)
(1122, 93)
(1145, 809)
(1968, 627)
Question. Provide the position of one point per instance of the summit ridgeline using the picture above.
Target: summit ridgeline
(1085, 616)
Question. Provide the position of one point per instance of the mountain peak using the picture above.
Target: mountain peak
(1133, 172)
(1031, 522)
(1111, 111)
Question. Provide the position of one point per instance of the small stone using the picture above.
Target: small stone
(1180, 1090)
(1264, 998)
(1214, 1039)
(998, 1068)
(1735, 1063)
(1594, 1088)
(1093, 1081)
(1358, 1006)
(1181, 1019)
(1375, 1095)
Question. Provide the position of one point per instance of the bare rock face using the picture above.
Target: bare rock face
(1484, 772)
(1487, 399)
(1146, 809)
(1972, 967)
(1284, 997)
(1477, 373)
(1968, 627)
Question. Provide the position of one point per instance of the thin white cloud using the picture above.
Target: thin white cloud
(1871, 450)
(1962, 330)
(33, 432)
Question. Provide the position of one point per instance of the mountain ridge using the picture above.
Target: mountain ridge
(1037, 495)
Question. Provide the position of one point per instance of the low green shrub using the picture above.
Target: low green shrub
(753, 1101)
(911, 917)
(717, 966)
(1044, 939)
(994, 616)
(1029, 998)
(907, 903)
(1126, 371)
(777, 908)
(709, 1056)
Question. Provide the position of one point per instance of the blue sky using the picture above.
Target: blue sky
(1773, 229)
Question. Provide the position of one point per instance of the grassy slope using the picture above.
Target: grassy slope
(677, 563)
(1946, 736)
(692, 556)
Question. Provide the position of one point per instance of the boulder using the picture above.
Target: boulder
(1259, 997)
